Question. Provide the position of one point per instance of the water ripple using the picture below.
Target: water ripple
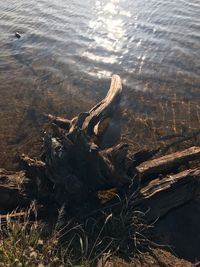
(100, 37)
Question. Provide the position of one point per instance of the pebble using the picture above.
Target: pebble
(18, 35)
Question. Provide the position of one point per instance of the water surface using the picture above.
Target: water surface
(69, 50)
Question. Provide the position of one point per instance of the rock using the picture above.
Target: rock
(17, 35)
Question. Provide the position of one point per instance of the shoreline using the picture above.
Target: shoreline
(36, 167)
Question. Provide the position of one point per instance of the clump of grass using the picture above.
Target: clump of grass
(25, 243)
(113, 230)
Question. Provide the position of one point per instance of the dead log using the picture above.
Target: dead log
(14, 190)
(168, 163)
(59, 121)
(19, 189)
(162, 195)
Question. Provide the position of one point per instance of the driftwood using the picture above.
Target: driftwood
(168, 163)
(74, 167)
(12, 194)
(164, 194)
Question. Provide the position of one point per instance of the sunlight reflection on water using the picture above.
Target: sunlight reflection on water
(108, 19)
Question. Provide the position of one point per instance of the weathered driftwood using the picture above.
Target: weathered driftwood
(168, 163)
(19, 189)
(90, 121)
(59, 121)
(11, 190)
(164, 194)
(74, 167)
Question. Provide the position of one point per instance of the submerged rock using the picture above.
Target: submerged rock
(17, 35)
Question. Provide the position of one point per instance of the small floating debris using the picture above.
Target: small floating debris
(17, 35)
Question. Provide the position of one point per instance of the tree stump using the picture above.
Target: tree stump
(74, 166)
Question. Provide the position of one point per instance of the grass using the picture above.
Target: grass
(26, 243)
(74, 241)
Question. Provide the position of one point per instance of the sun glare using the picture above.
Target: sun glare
(108, 23)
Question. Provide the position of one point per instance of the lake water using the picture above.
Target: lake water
(69, 49)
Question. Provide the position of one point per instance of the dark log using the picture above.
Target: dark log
(33, 167)
(117, 155)
(132, 161)
(13, 190)
(162, 195)
(59, 121)
(19, 189)
(93, 170)
(155, 199)
(167, 163)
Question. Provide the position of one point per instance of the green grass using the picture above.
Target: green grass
(24, 243)
(114, 231)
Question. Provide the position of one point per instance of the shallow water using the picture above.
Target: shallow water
(69, 49)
